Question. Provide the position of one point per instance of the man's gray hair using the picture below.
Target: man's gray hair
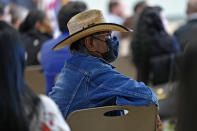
(17, 12)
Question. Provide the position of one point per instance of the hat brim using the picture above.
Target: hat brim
(88, 31)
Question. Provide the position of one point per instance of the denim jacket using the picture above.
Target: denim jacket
(87, 82)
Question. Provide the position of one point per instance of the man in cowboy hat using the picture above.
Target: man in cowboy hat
(88, 80)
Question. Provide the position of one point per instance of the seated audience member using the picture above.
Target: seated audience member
(186, 91)
(184, 34)
(150, 40)
(35, 30)
(20, 108)
(88, 79)
(131, 21)
(52, 62)
(116, 13)
(116, 9)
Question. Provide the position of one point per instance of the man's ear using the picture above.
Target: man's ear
(89, 44)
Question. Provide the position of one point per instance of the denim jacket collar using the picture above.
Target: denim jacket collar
(85, 54)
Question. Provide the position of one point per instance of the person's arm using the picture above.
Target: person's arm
(127, 91)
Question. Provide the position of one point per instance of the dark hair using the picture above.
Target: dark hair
(18, 105)
(150, 39)
(112, 4)
(2, 7)
(150, 20)
(187, 101)
(148, 30)
(31, 19)
(78, 46)
(139, 5)
(68, 11)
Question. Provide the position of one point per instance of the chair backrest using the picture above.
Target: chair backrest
(135, 119)
(35, 79)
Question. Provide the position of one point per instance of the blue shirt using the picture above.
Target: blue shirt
(53, 61)
(87, 82)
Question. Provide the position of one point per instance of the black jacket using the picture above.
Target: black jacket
(158, 48)
(186, 33)
(33, 41)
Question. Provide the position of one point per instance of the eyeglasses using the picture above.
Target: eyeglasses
(108, 36)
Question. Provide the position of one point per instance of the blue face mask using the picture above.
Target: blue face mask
(112, 50)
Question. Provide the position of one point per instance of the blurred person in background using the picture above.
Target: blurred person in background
(20, 108)
(186, 91)
(117, 9)
(184, 33)
(52, 62)
(18, 14)
(51, 7)
(131, 21)
(150, 39)
(35, 30)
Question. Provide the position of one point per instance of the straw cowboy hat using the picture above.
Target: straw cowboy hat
(85, 24)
